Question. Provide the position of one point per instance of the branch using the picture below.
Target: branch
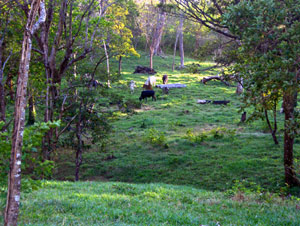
(3, 66)
(42, 17)
(64, 129)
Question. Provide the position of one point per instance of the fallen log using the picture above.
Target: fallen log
(218, 102)
(144, 70)
(169, 86)
(203, 101)
(216, 77)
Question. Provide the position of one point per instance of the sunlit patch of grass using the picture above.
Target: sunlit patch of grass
(94, 203)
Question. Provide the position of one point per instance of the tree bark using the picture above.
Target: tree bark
(272, 130)
(2, 98)
(181, 49)
(239, 87)
(288, 106)
(14, 177)
(175, 47)
(78, 159)
(120, 65)
(31, 113)
(156, 37)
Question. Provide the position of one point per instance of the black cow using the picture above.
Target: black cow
(147, 93)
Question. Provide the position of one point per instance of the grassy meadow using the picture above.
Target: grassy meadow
(177, 141)
(171, 162)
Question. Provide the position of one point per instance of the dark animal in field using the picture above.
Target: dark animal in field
(147, 93)
(244, 116)
(165, 79)
(225, 102)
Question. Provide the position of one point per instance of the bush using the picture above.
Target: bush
(156, 137)
(216, 133)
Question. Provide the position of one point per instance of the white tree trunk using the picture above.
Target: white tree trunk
(239, 87)
(14, 177)
(156, 38)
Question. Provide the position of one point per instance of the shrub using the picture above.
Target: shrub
(156, 137)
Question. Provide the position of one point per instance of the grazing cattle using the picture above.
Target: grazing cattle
(132, 86)
(150, 83)
(165, 79)
(147, 87)
(147, 93)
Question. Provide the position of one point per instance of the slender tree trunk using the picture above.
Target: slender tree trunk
(181, 49)
(31, 113)
(288, 106)
(14, 177)
(151, 57)
(2, 98)
(156, 37)
(175, 47)
(107, 64)
(78, 159)
(272, 130)
(120, 65)
(9, 84)
(239, 87)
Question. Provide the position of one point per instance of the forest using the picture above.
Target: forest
(149, 112)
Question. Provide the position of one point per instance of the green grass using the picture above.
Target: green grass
(163, 144)
(95, 203)
(213, 164)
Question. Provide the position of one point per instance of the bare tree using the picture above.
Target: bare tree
(14, 177)
(207, 13)
(157, 34)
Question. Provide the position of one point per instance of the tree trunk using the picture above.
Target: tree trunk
(107, 64)
(181, 49)
(2, 98)
(78, 159)
(120, 65)
(151, 57)
(239, 87)
(31, 113)
(175, 47)
(288, 105)
(14, 177)
(156, 37)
